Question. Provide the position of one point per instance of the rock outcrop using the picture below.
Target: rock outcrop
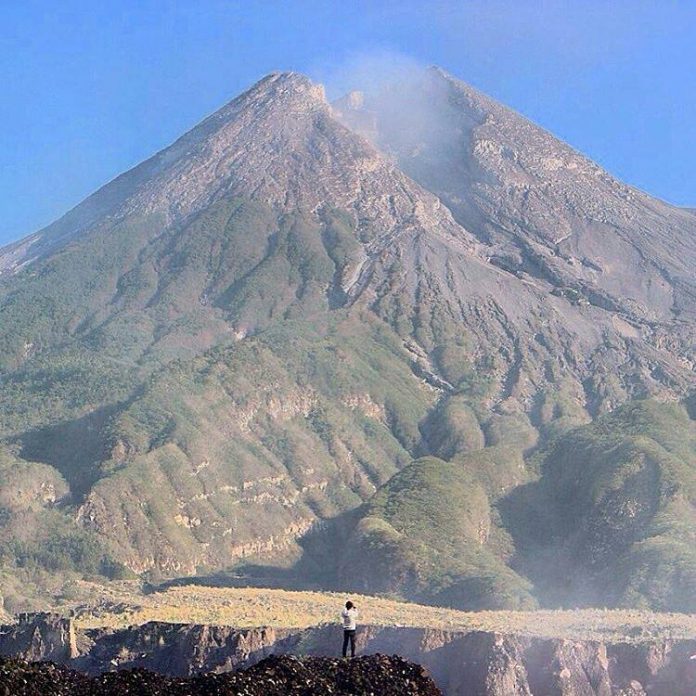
(274, 676)
(41, 636)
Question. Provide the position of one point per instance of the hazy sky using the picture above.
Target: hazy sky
(89, 89)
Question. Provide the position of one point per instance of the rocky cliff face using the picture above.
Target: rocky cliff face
(462, 664)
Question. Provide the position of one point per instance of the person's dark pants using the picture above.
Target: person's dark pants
(349, 636)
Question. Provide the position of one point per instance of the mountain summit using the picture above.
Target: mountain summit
(403, 322)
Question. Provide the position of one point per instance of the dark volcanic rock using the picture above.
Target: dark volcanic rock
(21, 678)
(274, 676)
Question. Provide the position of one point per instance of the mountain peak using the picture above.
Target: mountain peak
(284, 87)
(199, 166)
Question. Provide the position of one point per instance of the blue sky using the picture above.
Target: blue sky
(90, 89)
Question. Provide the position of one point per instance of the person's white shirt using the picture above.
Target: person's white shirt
(348, 617)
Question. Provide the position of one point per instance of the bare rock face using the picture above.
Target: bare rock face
(488, 665)
(568, 668)
(527, 193)
(177, 649)
(41, 637)
(544, 213)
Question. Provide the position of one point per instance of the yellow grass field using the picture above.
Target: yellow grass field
(248, 607)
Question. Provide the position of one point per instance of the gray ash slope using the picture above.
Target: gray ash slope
(546, 214)
(244, 337)
(524, 204)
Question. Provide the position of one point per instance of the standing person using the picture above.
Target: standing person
(348, 616)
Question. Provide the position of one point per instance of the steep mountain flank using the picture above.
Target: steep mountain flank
(184, 264)
(433, 533)
(523, 191)
(549, 216)
(611, 520)
(218, 359)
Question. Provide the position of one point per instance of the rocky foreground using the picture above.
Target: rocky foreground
(198, 659)
(275, 676)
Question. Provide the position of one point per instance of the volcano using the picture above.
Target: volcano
(404, 342)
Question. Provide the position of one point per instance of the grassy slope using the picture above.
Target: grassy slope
(248, 607)
(599, 515)
(430, 533)
(179, 453)
(271, 431)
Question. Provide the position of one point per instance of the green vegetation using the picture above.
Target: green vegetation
(204, 398)
(611, 518)
(37, 540)
(430, 534)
